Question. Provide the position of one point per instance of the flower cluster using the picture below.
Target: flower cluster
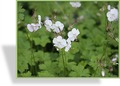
(73, 34)
(75, 4)
(56, 27)
(34, 27)
(112, 14)
(60, 43)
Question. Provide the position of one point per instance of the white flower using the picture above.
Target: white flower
(114, 59)
(75, 4)
(68, 46)
(57, 27)
(59, 42)
(48, 24)
(116, 55)
(73, 34)
(108, 7)
(39, 21)
(33, 27)
(112, 15)
(103, 73)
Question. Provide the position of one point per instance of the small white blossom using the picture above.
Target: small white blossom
(112, 15)
(114, 59)
(73, 34)
(59, 42)
(75, 4)
(68, 46)
(103, 73)
(116, 55)
(33, 27)
(39, 21)
(57, 27)
(48, 24)
(108, 7)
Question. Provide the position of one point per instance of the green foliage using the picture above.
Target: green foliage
(79, 71)
(90, 53)
(27, 74)
(41, 37)
(20, 12)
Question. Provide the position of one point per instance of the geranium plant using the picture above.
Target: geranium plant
(67, 39)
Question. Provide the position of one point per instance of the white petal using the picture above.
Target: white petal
(64, 42)
(59, 42)
(75, 4)
(30, 28)
(48, 24)
(112, 14)
(67, 48)
(36, 27)
(103, 73)
(54, 40)
(74, 30)
(59, 37)
(70, 34)
(39, 17)
(59, 25)
(68, 41)
(53, 26)
(72, 38)
(109, 7)
(114, 59)
(39, 20)
(110, 19)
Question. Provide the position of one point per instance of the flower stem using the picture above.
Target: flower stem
(33, 68)
(63, 61)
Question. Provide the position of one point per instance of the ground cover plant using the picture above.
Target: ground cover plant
(67, 39)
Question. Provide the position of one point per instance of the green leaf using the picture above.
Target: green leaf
(75, 47)
(78, 71)
(27, 74)
(22, 63)
(20, 12)
(41, 41)
(45, 74)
